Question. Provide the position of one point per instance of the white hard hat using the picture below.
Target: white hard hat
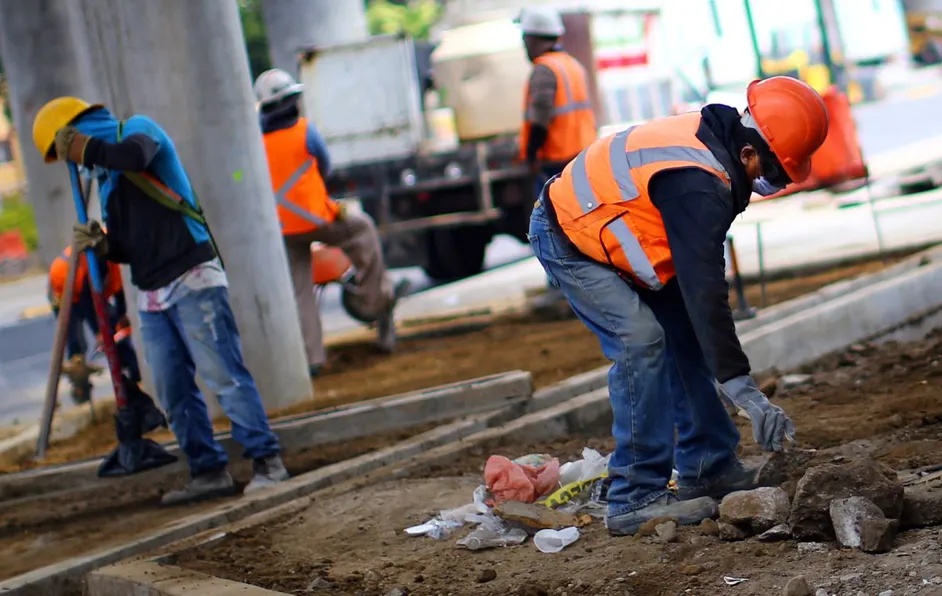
(544, 21)
(274, 84)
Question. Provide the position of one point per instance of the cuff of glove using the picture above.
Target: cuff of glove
(739, 386)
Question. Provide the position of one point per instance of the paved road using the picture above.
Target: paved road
(883, 127)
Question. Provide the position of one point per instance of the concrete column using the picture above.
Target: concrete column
(184, 64)
(43, 58)
(293, 24)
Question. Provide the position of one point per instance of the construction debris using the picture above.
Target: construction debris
(810, 510)
(858, 523)
(756, 510)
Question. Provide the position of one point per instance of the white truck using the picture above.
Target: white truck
(437, 201)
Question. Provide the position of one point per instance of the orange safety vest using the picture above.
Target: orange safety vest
(303, 203)
(601, 199)
(59, 270)
(572, 128)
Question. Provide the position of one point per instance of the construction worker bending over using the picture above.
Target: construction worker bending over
(632, 232)
(299, 163)
(558, 121)
(187, 326)
(82, 315)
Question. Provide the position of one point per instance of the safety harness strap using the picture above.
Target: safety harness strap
(167, 197)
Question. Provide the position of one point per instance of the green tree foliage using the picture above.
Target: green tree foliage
(414, 18)
(17, 214)
(256, 39)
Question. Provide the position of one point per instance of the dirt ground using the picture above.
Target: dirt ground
(880, 402)
(38, 531)
(551, 351)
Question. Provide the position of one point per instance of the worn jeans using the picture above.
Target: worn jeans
(659, 381)
(198, 334)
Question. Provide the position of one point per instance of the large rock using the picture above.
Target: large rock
(921, 507)
(858, 523)
(758, 510)
(810, 516)
(783, 466)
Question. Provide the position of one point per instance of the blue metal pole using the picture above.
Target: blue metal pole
(97, 287)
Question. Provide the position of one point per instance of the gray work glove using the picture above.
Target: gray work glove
(91, 236)
(770, 425)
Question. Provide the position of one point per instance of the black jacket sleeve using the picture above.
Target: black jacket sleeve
(133, 154)
(697, 211)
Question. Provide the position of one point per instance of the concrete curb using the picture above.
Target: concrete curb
(66, 574)
(356, 420)
(154, 579)
(866, 314)
(596, 379)
(785, 340)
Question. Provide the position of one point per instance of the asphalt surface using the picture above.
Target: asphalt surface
(25, 345)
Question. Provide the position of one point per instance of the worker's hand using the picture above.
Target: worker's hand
(70, 144)
(78, 370)
(123, 323)
(770, 425)
(91, 236)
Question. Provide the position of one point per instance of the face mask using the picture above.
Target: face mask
(763, 187)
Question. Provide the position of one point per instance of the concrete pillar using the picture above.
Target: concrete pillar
(43, 58)
(293, 24)
(184, 64)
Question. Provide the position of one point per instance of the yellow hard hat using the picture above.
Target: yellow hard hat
(57, 113)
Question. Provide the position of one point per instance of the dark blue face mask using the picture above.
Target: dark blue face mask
(763, 187)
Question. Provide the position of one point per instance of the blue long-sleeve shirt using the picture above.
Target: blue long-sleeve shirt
(317, 147)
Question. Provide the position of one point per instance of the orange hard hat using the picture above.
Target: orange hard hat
(792, 119)
(329, 264)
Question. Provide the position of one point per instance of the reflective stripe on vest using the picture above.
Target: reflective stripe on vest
(301, 196)
(282, 192)
(570, 106)
(623, 162)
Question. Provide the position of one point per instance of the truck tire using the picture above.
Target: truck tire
(456, 253)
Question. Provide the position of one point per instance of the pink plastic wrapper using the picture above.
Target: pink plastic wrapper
(511, 481)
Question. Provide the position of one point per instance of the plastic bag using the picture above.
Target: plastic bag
(525, 482)
(492, 532)
(592, 465)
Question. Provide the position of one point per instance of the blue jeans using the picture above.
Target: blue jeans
(198, 334)
(659, 380)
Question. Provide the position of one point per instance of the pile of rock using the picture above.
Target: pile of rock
(860, 504)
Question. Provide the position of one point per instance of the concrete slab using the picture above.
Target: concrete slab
(151, 578)
(302, 431)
